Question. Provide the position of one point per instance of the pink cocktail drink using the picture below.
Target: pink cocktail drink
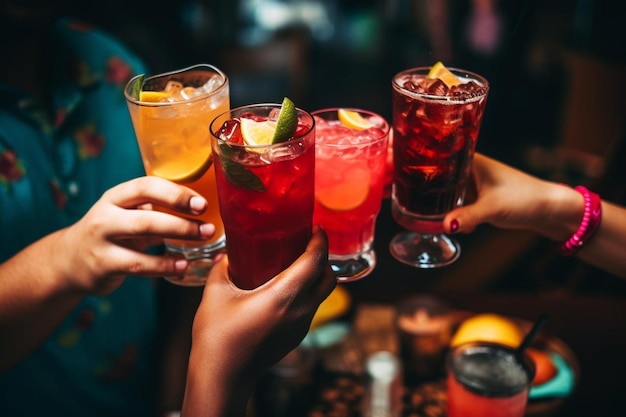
(436, 127)
(265, 194)
(487, 380)
(349, 180)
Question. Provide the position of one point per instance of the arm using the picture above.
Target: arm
(41, 284)
(511, 199)
(238, 334)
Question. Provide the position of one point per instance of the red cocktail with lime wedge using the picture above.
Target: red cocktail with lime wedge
(265, 188)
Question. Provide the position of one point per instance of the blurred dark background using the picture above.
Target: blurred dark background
(556, 108)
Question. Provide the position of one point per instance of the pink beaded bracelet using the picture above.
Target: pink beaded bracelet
(588, 225)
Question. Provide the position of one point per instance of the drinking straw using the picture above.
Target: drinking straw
(530, 336)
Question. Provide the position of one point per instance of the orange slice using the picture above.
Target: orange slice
(348, 194)
(444, 74)
(353, 119)
(154, 96)
(190, 169)
(488, 327)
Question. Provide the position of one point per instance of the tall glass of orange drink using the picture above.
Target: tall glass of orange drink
(171, 114)
(265, 188)
(350, 163)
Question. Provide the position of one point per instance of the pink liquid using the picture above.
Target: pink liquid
(266, 230)
(350, 217)
(434, 143)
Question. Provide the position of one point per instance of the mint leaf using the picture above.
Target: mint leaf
(136, 88)
(236, 173)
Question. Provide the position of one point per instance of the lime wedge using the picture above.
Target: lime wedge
(353, 119)
(444, 74)
(286, 123)
(257, 133)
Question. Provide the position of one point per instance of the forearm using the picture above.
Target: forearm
(606, 249)
(212, 389)
(34, 298)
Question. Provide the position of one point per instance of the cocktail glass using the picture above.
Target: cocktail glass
(487, 379)
(265, 194)
(435, 129)
(350, 165)
(171, 116)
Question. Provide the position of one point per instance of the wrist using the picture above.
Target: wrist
(560, 213)
(589, 223)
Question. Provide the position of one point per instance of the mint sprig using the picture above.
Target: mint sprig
(238, 174)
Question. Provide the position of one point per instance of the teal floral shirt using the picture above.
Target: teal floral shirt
(51, 172)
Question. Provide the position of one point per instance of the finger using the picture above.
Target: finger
(465, 219)
(148, 223)
(128, 262)
(310, 272)
(157, 191)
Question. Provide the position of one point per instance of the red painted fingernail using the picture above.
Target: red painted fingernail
(454, 225)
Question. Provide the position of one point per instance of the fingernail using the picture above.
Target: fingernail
(207, 229)
(197, 204)
(454, 225)
(180, 265)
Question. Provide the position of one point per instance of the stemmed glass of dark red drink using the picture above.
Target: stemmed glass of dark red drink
(437, 113)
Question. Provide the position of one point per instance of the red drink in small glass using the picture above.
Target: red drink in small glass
(487, 379)
(349, 174)
(265, 194)
(435, 131)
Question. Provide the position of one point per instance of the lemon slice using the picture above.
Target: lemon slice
(488, 327)
(444, 74)
(190, 169)
(347, 195)
(353, 119)
(257, 133)
(286, 123)
(336, 304)
(154, 96)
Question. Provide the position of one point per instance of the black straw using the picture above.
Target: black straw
(530, 336)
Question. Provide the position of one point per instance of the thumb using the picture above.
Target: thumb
(464, 219)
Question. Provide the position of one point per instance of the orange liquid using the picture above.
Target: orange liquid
(174, 141)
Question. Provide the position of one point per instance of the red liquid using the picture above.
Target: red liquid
(464, 403)
(434, 143)
(487, 380)
(267, 230)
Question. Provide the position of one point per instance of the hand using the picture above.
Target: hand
(511, 199)
(108, 243)
(238, 334)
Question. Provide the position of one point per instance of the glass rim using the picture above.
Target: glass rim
(240, 109)
(525, 361)
(386, 128)
(423, 70)
(201, 97)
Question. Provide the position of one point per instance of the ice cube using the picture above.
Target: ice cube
(437, 88)
(173, 87)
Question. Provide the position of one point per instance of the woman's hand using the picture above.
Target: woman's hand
(109, 242)
(511, 199)
(238, 334)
